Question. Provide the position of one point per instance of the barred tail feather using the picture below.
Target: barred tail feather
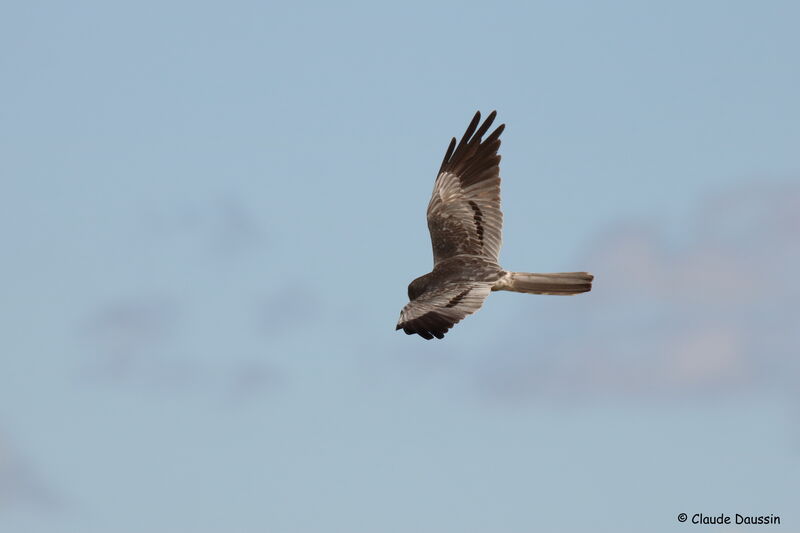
(562, 283)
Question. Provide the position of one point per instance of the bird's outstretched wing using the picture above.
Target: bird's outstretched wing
(438, 310)
(464, 214)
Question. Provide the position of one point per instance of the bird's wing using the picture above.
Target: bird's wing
(464, 214)
(438, 310)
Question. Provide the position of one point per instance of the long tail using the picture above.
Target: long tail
(562, 283)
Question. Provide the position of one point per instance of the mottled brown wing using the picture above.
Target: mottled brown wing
(464, 214)
(436, 311)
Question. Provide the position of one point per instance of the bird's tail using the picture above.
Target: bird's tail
(562, 283)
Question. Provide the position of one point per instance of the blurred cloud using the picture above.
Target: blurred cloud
(139, 342)
(287, 308)
(123, 334)
(235, 229)
(20, 483)
(223, 226)
(713, 313)
(250, 378)
(162, 338)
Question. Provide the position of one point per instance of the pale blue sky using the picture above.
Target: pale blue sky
(210, 213)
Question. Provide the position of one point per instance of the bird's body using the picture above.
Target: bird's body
(465, 223)
(463, 268)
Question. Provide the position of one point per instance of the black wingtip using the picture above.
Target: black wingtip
(471, 128)
(485, 126)
(496, 133)
(450, 149)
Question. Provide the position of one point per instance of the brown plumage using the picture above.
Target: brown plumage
(465, 223)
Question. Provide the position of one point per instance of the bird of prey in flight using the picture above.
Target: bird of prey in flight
(465, 223)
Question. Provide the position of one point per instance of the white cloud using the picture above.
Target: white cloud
(715, 313)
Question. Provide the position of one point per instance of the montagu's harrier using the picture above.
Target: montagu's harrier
(465, 223)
